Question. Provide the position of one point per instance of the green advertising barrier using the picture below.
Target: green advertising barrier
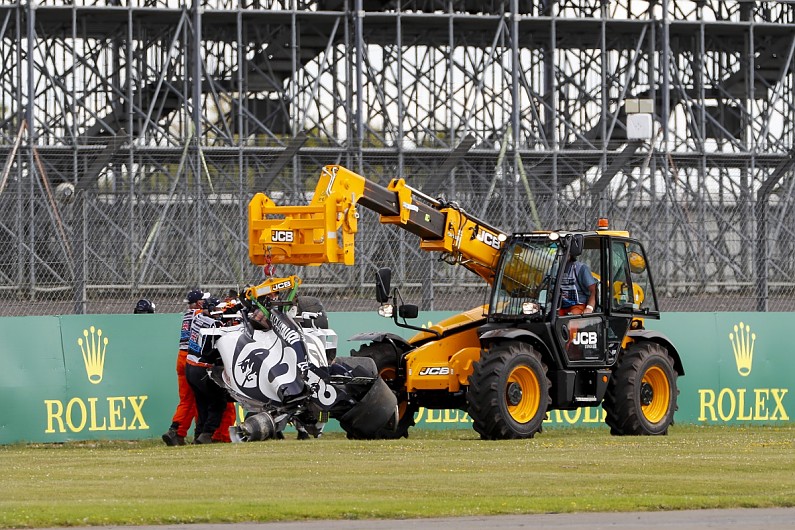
(32, 370)
(120, 374)
(112, 376)
(87, 377)
(739, 366)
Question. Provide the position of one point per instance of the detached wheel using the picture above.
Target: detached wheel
(310, 304)
(641, 398)
(508, 392)
(386, 361)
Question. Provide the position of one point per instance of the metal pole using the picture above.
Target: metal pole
(29, 116)
(197, 128)
(761, 249)
(359, 62)
(79, 212)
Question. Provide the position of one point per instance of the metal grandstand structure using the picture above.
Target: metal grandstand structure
(134, 132)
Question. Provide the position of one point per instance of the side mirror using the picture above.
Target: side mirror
(383, 279)
(576, 245)
(408, 311)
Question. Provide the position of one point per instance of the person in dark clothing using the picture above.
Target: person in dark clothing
(185, 413)
(144, 306)
(211, 399)
(578, 289)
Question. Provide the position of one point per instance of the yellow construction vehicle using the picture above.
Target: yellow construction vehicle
(508, 362)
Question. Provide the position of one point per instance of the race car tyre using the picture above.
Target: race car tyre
(641, 397)
(310, 304)
(358, 366)
(386, 361)
(375, 413)
(258, 427)
(508, 394)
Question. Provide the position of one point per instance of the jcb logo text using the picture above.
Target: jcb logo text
(488, 238)
(282, 236)
(585, 338)
(435, 370)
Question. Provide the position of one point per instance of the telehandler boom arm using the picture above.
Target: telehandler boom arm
(324, 230)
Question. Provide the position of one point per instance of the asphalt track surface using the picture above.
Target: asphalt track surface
(746, 519)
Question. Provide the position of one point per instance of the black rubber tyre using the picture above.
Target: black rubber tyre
(386, 361)
(376, 413)
(508, 394)
(641, 397)
(358, 366)
(258, 427)
(310, 304)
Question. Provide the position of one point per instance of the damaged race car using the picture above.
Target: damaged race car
(276, 357)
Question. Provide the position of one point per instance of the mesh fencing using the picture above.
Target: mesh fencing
(159, 222)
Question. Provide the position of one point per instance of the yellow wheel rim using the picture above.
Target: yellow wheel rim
(655, 394)
(388, 373)
(523, 394)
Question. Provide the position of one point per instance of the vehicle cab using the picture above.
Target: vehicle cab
(530, 292)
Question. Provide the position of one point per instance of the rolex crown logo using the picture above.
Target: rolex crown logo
(743, 343)
(93, 349)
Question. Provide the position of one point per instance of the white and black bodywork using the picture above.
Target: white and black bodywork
(286, 372)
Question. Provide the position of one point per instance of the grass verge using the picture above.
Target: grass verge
(432, 474)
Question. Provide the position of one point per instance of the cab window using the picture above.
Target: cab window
(631, 284)
(592, 256)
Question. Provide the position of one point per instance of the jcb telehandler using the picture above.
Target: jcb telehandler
(510, 361)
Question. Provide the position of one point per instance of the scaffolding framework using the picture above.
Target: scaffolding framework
(133, 134)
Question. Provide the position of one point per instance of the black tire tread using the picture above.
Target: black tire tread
(385, 356)
(623, 412)
(311, 304)
(373, 415)
(486, 393)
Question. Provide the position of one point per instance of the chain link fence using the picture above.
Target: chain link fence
(134, 133)
(156, 223)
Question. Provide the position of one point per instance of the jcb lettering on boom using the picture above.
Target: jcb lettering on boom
(489, 239)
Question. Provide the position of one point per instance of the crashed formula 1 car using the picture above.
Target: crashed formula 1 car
(279, 363)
